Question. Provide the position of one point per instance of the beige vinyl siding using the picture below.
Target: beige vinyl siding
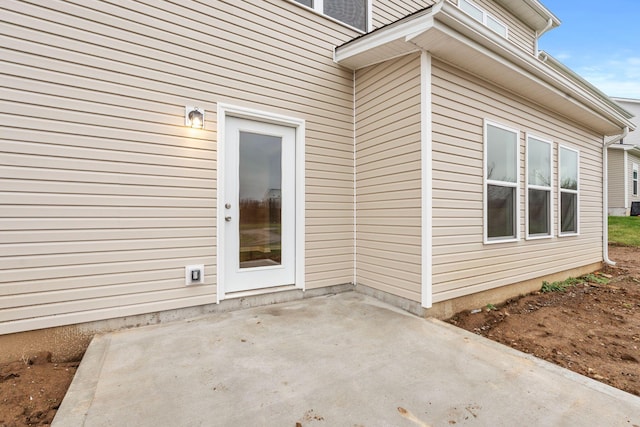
(105, 195)
(616, 179)
(388, 11)
(388, 197)
(519, 33)
(462, 264)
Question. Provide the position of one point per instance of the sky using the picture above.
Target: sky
(599, 40)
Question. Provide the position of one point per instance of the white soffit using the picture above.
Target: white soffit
(454, 37)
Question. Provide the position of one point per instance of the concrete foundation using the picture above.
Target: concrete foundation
(446, 309)
(619, 211)
(68, 343)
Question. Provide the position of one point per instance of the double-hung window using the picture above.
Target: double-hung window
(569, 161)
(539, 184)
(634, 180)
(351, 12)
(502, 173)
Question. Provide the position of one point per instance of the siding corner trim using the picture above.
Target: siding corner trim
(426, 145)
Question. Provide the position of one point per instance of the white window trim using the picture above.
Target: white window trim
(485, 16)
(538, 187)
(486, 182)
(561, 190)
(635, 169)
(318, 7)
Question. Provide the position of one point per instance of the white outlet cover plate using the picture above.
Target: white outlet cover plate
(187, 274)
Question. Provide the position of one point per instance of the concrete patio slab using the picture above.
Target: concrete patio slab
(339, 360)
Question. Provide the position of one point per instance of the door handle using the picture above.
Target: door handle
(227, 218)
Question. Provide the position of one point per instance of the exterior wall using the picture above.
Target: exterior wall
(106, 196)
(388, 177)
(386, 12)
(519, 34)
(619, 202)
(462, 264)
(633, 106)
(631, 160)
(616, 202)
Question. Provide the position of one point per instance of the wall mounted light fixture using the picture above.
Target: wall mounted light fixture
(194, 117)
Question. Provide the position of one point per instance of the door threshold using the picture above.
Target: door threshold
(261, 291)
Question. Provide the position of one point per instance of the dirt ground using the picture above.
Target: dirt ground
(590, 328)
(32, 389)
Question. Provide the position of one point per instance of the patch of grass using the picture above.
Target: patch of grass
(624, 230)
(563, 285)
(560, 286)
(595, 278)
(491, 307)
(554, 286)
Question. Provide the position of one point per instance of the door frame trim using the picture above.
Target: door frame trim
(228, 110)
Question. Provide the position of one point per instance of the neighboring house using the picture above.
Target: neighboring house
(623, 166)
(424, 152)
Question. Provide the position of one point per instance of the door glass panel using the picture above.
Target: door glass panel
(260, 175)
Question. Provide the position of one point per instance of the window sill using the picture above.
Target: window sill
(568, 234)
(539, 237)
(493, 242)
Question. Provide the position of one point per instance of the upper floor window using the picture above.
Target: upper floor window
(482, 16)
(350, 12)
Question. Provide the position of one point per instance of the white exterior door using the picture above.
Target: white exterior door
(259, 205)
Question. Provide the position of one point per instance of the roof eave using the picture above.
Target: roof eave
(626, 147)
(550, 60)
(533, 13)
(453, 36)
